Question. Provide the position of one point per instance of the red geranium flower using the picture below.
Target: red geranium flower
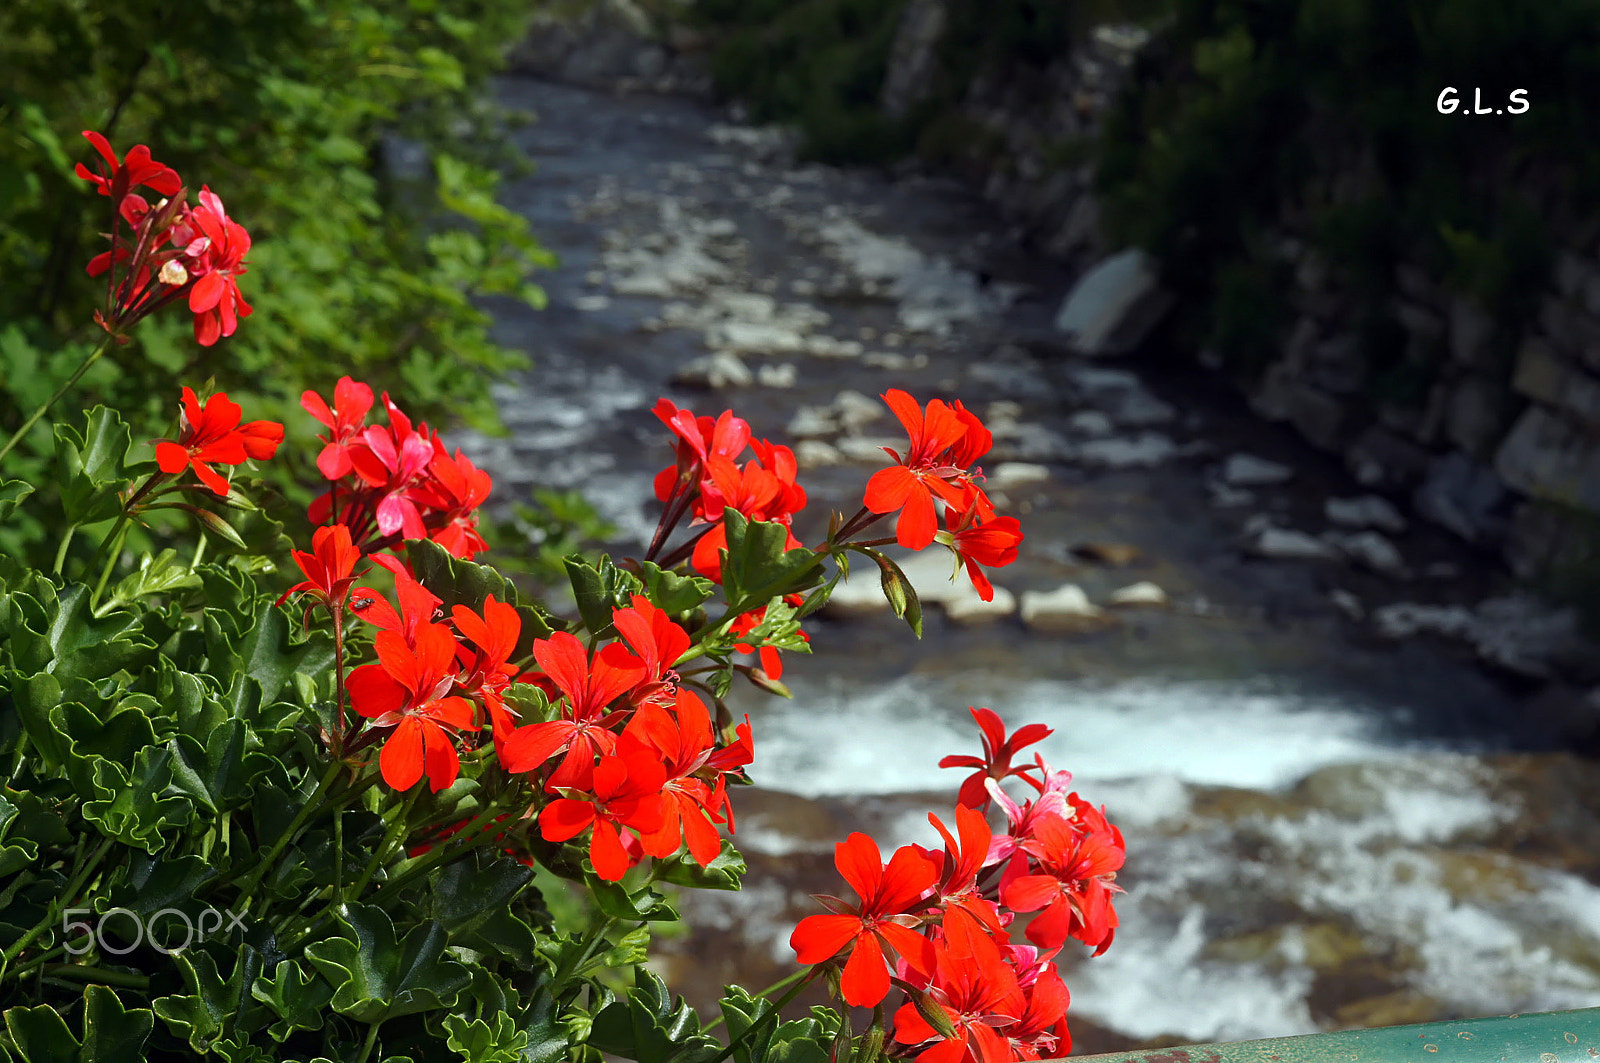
(945, 441)
(213, 434)
(979, 542)
(138, 168)
(405, 689)
(351, 401)
(329, 568)
(977, 992)
(1078, 861)
(589, 686)
(214, 250)
(997, 753)
(888, 895)
(625, 794)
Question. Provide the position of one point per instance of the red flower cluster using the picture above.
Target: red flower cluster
(174, 251)
(945, 442)
(707, 479)
(395, 481)
(629, 755)
(211, 434)
(937, 923)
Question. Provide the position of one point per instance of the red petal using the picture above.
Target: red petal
(564, 818)
(866, 980)
(401, 759)
(889, 488)
(821, 937)
(860, 862)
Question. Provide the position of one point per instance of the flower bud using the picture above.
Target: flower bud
(173, 273)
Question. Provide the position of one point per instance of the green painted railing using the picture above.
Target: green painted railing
(1547, 1037)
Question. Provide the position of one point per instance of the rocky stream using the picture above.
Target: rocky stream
(1303, 709)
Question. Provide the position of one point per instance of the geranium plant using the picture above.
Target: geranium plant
(274, 802)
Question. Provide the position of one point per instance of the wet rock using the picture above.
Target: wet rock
(1143, 451)
(810, 422)
(1517, 633)
(815, 453)
(1091, 423)
(854, 411)
(1114, 306)
(1033, 443)
(591, 303)
(913, 56)
(1406, 619)
(970, 609)
(1287, 544)
(1373, 550)
(1348, 604)
(1115, 554)
(1464, 497)
(1225, 497)
(1140, 409)
(868, 450)
(829, 347)
(1247, 470)
(1065, 610)
(777, 376)
(1365, 511)
(750, 337)
(1013, 474)
(719, 369)
(1141, 593)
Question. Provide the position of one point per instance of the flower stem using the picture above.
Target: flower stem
(770, 1016)
(27, 426)
(295, 824)
(773, 988)
(61, 551)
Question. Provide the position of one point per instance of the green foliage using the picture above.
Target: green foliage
(363, 257)
(1244, 114)
(199, 855)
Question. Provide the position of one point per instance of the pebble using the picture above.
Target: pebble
(1138, 452)
(1090, 423)
(1064, 610)
(1142, 593)
(854, 411)
(1118, 554)
(969, 609)
(814, 453)
(809, 422)
(1373, 550)
(1247, 470)
(777, 376)
(719, 369)
(1348, 604)
(1012, 474)
(591, 303)
(1287, 544)
(1366, 511)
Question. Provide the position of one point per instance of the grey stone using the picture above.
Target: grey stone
(1547, 455)
(1543, 377)
(1090, 423)
(1474, 414)
(814, 453)
(1339, 365)
(1142, 451)
(1367, 511)
(1376, 552)
(1571, 273)
(1142, 593)
(1380, 458)
(1288, 544)
(1471, 333)
(1247, 470)
(1273, 398)
(1012, 474)
(719, 369)
(913, 56)
(1140, 409)
(1464, 497)
(1064, 610)
(783, 375)
(1298, 352)
(1419, 320)
(1114, 306)
(1318, 416)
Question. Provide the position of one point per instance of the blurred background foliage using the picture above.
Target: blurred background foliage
(370, 249)
(1239, 121)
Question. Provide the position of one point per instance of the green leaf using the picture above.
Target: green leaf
(599, 589)
(672, 593)
(467, 583)
(614, 900)
(89, 646)
(161, 574)
(138, 812)
(483, 1042)
(41, 1035)
(298, 999)
(264, 652)
(649, 1025)
(472, 899)
(547, 1037)
(112, 1033)
(92, 466)
(211, 1008)
(12, 492)
(756, 568)
(632, 950)
(377, 976)
(722, 873)
(154, 882)
(218, 775)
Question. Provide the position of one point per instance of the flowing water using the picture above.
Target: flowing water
(1323, 829)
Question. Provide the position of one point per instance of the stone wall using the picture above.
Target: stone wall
(1505, 456)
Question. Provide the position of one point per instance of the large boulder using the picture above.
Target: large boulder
(1114, 305)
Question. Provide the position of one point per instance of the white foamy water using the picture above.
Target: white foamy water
(889, 739)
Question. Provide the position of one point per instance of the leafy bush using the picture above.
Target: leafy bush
(360, 260)
(258, 819)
